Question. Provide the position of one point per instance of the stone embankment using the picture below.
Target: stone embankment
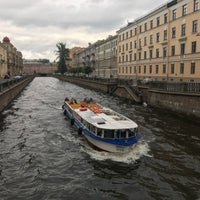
(10, 89)
(177, 97)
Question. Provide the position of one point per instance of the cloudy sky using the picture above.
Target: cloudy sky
(36, 26)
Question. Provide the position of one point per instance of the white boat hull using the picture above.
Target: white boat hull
(107, 146)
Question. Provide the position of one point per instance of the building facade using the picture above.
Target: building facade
(3, 60)
(35, 66)
(106, 58)
(163, 45)
(14, 58)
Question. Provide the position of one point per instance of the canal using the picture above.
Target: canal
(42, 157)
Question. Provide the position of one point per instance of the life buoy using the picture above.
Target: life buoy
(97, 110)
(83, 109)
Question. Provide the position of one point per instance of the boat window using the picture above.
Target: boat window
(109, 133)
(132, 132)
(92, 128)
(99, 132)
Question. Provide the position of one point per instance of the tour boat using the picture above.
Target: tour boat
(103, 128)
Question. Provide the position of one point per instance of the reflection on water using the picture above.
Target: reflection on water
(43, 157)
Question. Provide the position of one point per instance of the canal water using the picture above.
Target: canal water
(43, 158)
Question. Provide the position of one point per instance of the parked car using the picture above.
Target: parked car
(146, 80)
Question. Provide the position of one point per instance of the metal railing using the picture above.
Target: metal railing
(6, 83)
(176, 87)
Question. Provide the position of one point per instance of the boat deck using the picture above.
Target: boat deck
(83, 104)
(100, 116)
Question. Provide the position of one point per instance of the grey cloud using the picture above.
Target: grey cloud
(43, 23)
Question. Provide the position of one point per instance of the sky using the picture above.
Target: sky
(34, 27)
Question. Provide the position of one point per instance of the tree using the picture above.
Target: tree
(88, 70)
(62, 55)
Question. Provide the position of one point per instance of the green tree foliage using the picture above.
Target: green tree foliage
(85, 70)
(44, 61)
(62, 55)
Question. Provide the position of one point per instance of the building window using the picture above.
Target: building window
(165, 18)
(174, 32)
(145, 41)
(145, 55)
(131, 46)
(182, 49)
(157, 69)
(123, 48)
(130, 57)
(131, 33)
(119, 49)
(119, 37)
(151, 39)
(165, 35)
(196, 5)
(126, 35)
(119, 59)
(172, 50)
(126, 58)
(151, 24)
(135, 44)
(139, 55)
(181, 68)
(150, 69)
(135, 70)
(193, 48)
(150, 54)
(145, 27)
(123, 36)
(130, 70)
(164, 52)
(140, 43)
(164, 69)
(139, 70)
(144, 69)
(135, 31)
(140, 28)
(183, 29)
(126, 46)
(194, 26)
(174, 14)
(192, 68)
(135, 56)
(158, 21)
(184, 9)
(157, 37)
(172, 68)
(157, 53)
(122, 59)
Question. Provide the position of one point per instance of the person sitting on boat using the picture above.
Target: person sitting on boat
(71, 101)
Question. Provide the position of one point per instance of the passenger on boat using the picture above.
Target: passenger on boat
(71, 101)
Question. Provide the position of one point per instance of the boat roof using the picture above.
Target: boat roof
(101, 117)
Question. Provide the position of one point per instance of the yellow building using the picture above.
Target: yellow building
(163, 45)
(3, 60)
(14, 58)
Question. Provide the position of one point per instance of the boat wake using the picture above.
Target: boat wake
(139, 150)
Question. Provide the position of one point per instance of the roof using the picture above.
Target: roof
(104, 118)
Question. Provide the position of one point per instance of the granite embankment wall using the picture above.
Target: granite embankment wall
(186, 103)
(11, 92)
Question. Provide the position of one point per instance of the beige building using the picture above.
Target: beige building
(163, 45)
(3, 60)
(14, 58)
(106, 58)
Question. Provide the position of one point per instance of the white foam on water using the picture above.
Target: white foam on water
(139, 150)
